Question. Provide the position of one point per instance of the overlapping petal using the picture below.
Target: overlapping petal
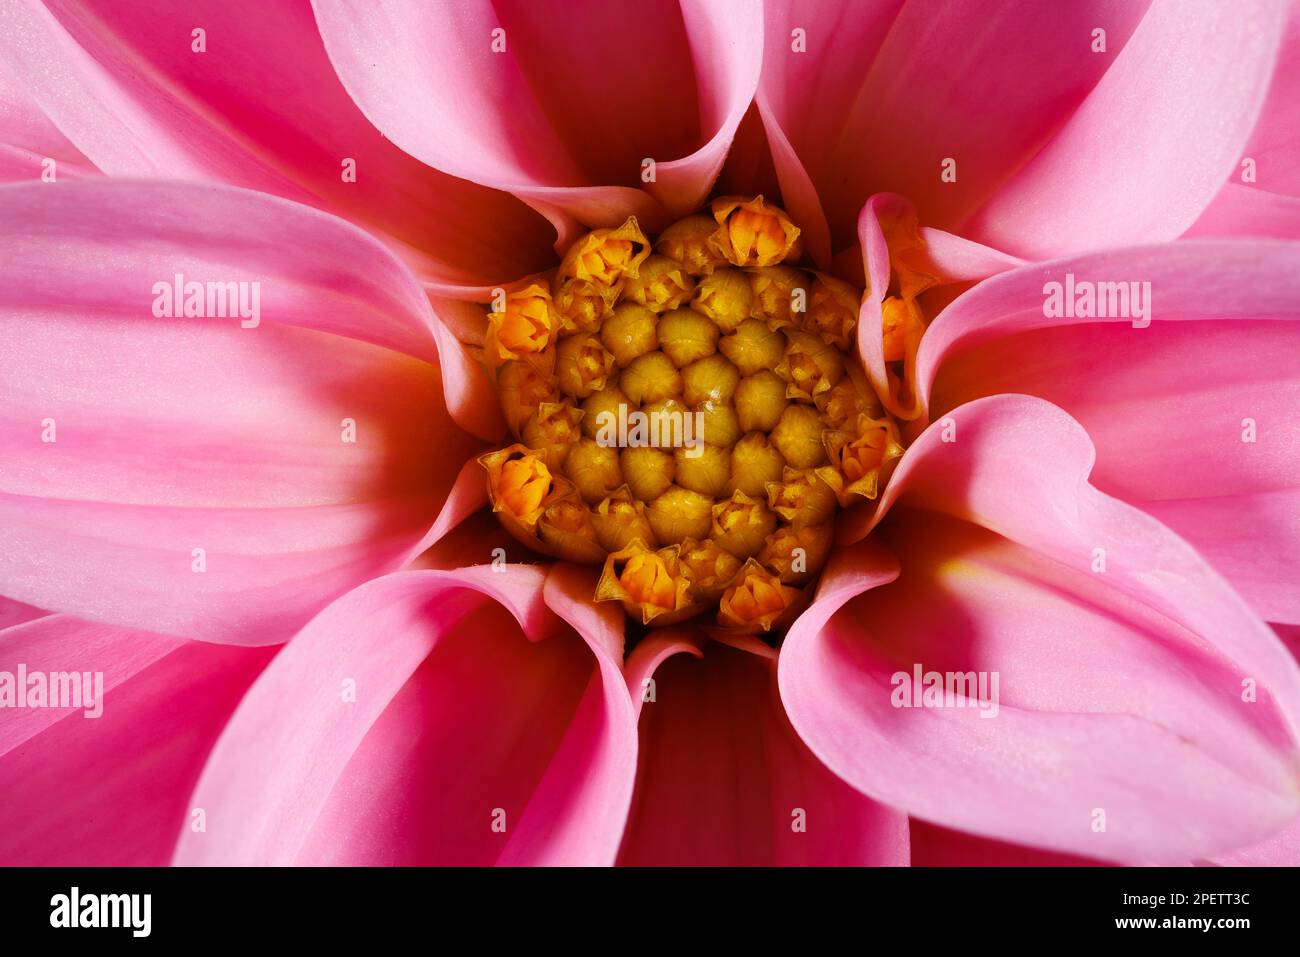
(258, 106)
(560, 110)
(1191, 408)
(1145, 714)
(201, 475)
(431, 717)
(724, 780)
(111, 789)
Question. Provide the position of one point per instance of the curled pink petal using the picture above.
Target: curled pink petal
(428, 717)
(126, 84)
(1121, 695)
(948, 84)
(223, 477)
(1190, 408)
(448, 68)
(1194, 71)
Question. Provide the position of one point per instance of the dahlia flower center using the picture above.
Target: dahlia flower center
(688, 415)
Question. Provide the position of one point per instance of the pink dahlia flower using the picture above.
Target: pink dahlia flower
(1053, 629)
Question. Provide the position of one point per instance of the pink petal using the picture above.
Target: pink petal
(16, 612)
(725, 781)
(1241, 210)
(261, 108)
(1166, 405)
(173, 434)
(950, 259)
(28, 140)
(111, 790)
(808, 87)
(1268, 202)
(1183, 94)
(565, 114)
(460, 709)
(947, 81)
(1275, 140)
(1120, 691)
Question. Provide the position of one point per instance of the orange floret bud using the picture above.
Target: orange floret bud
(741, 524)
(753, 233)
(582, 366)
(660, 284)
(797, 552)
(687, 241)
(833, 310)
(756, 600)
(606, 256)
(726, 298)
(861, 460)
(523, 328)
(650, 584)
(553, 428)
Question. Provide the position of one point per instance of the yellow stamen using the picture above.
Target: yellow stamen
(693, 418)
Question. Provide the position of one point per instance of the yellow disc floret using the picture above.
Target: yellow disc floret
(691, 419)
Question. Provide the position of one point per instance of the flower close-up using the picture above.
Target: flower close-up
(689, 432)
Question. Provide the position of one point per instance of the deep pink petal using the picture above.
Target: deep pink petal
(112, 790)
(175, 434)
(935, 846)
(1120, 690)
(1183, 94)
(563, 116)
(725, 781)
(261, 108)
(1168, 405)
(471, 695)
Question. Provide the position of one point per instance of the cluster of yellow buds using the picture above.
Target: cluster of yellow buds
(689, 414)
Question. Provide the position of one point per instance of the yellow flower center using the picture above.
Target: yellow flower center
(690, 419)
